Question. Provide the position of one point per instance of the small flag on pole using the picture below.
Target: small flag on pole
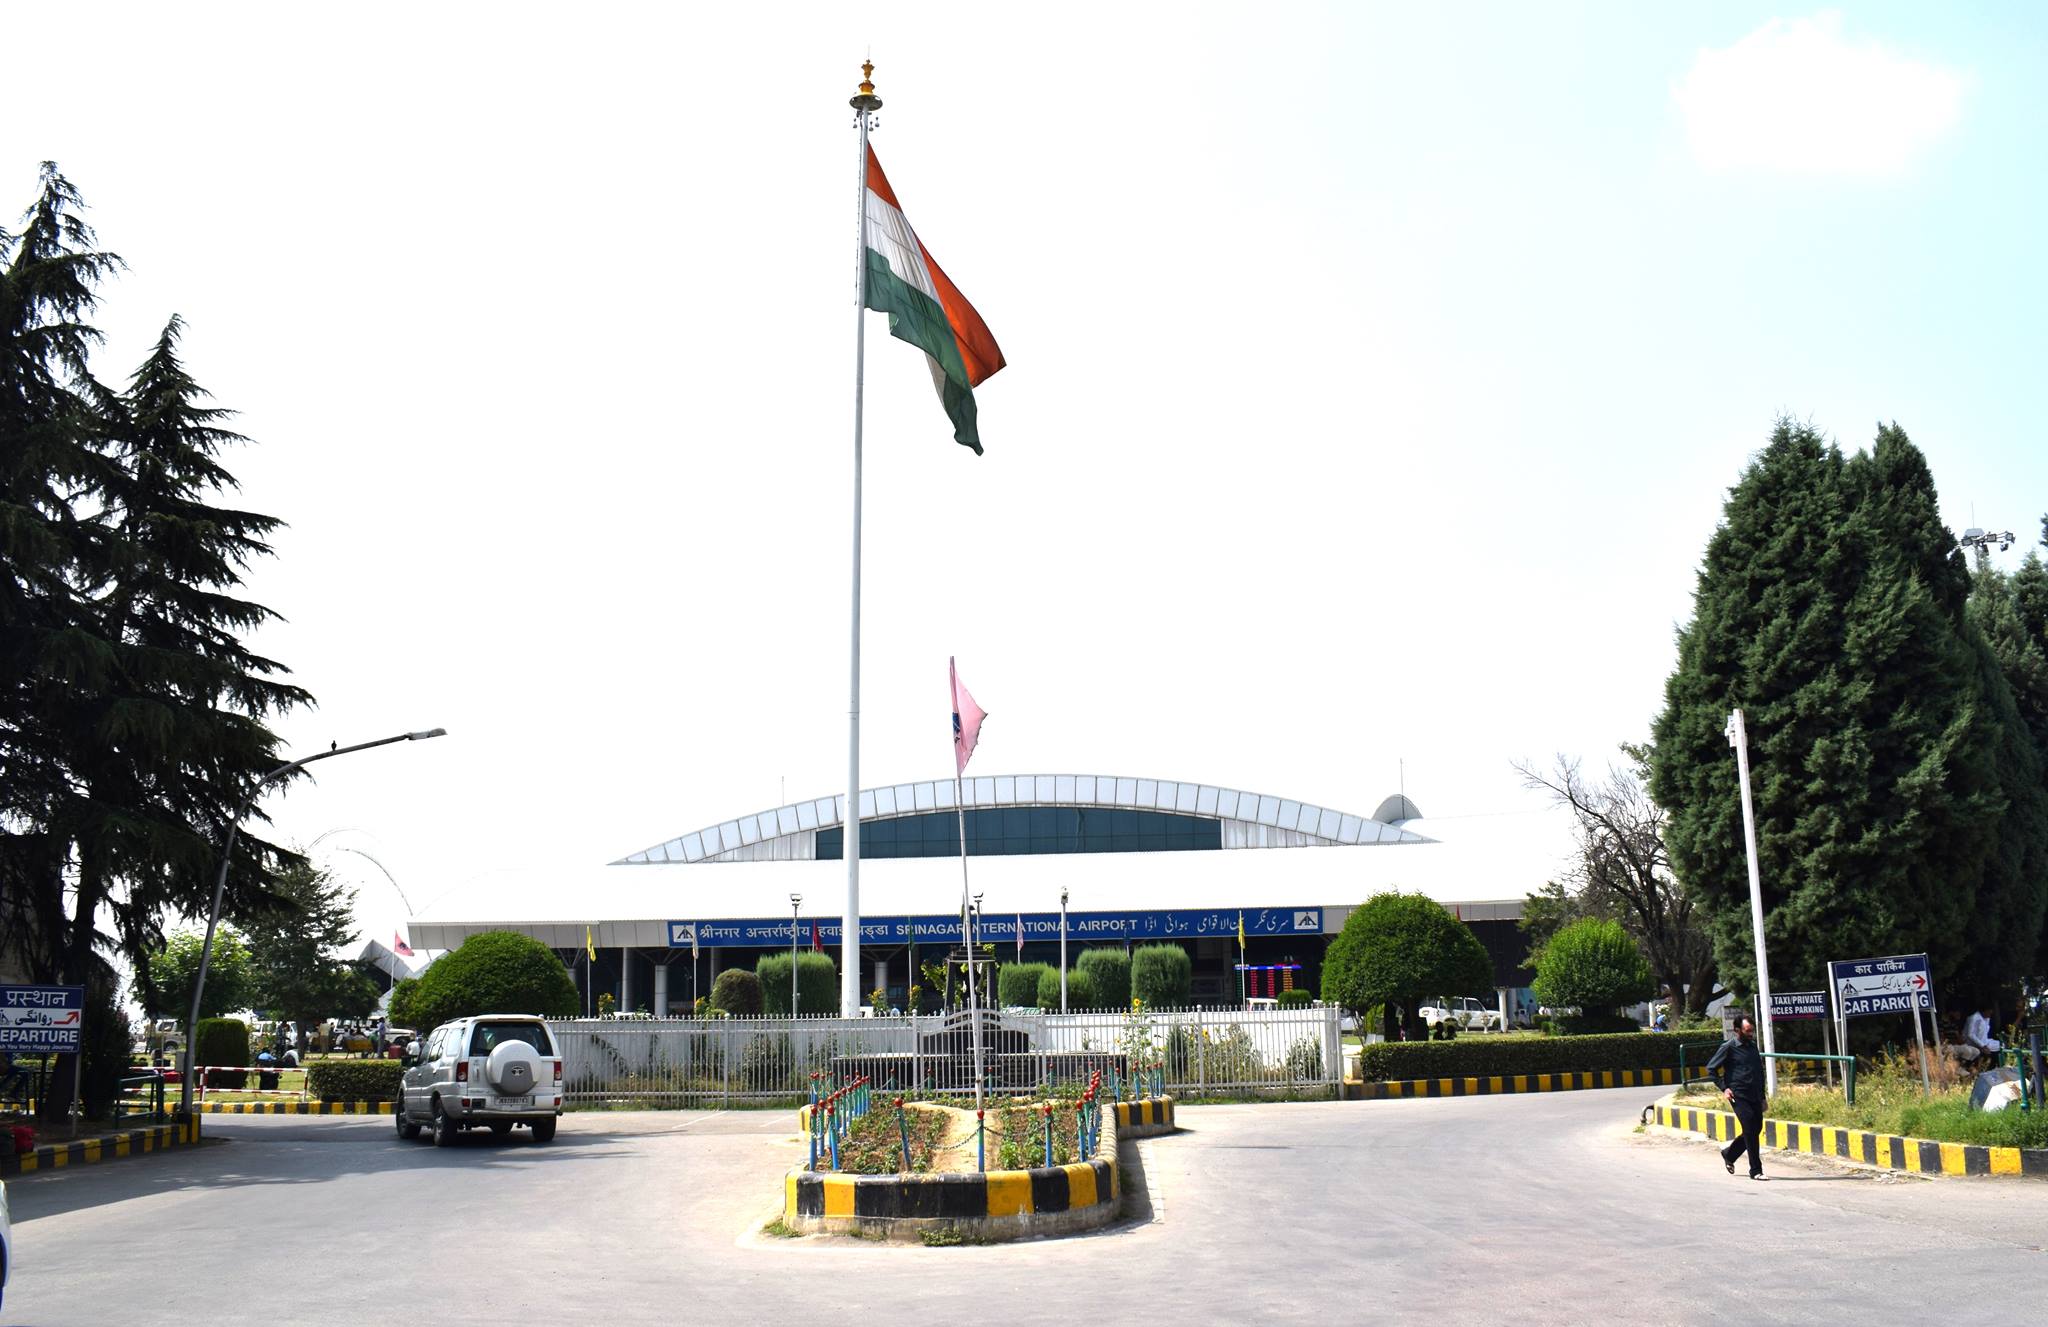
(816, 945)
(399, 946)
(1020, 937)
(1240, 930)
(589, 945)
(967, 717)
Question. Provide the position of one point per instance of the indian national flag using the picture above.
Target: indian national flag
(925, 308)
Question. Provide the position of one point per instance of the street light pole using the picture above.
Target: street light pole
(1738, 737)
(796, 901)
(1063, 949)
(220, 883)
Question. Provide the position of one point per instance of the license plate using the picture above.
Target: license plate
(511, 1103)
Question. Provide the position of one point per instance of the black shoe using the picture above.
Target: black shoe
(1730, 1165)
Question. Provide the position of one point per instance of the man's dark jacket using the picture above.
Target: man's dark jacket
(1738, 1067)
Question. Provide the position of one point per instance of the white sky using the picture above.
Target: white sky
(1376, 374)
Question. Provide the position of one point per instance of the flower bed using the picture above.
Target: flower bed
(873, 1144)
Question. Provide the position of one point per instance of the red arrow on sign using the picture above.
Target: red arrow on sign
(1919, 980)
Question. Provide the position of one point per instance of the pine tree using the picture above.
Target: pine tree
(131, 714)
(2010, 617)
(49, 457)
(1829, 608)
(170, 745)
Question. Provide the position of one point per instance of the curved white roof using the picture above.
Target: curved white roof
(1250, 820)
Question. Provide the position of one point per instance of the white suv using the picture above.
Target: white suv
(494, 1070)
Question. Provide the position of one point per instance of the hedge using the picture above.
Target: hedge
(1017, 984)
(354, 1080)
(1479, 1055)
(222, 1041)
(1161, 975)
(1109, 976)
(1080, 990)
(817, 982)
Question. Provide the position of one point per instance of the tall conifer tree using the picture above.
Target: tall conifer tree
(1829, 607)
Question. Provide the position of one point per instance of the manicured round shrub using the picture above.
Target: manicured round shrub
(1399, 951)
(1017, 984)
(1594, 966)
(1294, 999)
(817, 983)
(1161, 975)
(1109, 977)
(497, 972)
(737, 993)
(1080, 994)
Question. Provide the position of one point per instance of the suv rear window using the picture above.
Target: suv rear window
(485, 1037)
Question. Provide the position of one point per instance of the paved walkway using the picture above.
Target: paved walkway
(1481, 1209)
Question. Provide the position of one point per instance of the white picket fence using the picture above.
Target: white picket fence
(709, 1062)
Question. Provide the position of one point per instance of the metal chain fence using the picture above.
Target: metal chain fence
(713, 1062)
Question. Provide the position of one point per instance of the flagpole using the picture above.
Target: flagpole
(865, 103)
(967, 934)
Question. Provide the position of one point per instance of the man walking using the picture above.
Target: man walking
(1738, 1070)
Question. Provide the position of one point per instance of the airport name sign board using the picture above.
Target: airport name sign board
(1002, 928)
(1786, 1005)
(1895, 985)
(41, 1020)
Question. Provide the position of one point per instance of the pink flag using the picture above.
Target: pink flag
(399, 946)
(967, 717)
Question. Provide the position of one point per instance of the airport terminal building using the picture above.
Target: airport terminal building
(1135, 860)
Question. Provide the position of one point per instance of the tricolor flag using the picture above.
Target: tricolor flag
(967, 717)
(399, 946)
(924, 307)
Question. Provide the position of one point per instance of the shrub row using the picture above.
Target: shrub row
(354, 1080)
(1479, 1055)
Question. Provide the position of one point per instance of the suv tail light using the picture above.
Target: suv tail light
(462, 1071)
(558, 1071)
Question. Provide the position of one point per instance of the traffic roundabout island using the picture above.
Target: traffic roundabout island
(924, 1171)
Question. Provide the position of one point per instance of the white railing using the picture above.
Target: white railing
(728, 1061)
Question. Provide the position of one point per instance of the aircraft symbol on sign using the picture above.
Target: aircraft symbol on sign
(1308, 921)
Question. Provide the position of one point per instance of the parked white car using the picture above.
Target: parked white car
(492, 1071)
(1469, 1014)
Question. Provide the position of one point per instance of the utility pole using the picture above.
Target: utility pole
(1738, 737)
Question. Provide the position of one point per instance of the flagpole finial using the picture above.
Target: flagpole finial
(865, 99)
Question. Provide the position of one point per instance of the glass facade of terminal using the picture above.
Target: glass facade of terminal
(1021, 830)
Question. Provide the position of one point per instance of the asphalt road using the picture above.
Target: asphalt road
(1484, 1209)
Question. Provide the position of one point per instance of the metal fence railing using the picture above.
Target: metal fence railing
(711, 1062)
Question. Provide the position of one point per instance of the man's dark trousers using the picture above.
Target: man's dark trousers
(1750, 1114)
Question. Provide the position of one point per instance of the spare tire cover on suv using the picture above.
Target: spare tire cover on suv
(513, 1069)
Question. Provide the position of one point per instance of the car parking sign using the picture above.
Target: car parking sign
(1896, 985)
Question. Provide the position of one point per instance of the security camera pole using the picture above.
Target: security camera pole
(220, 883)
(1738, 737)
